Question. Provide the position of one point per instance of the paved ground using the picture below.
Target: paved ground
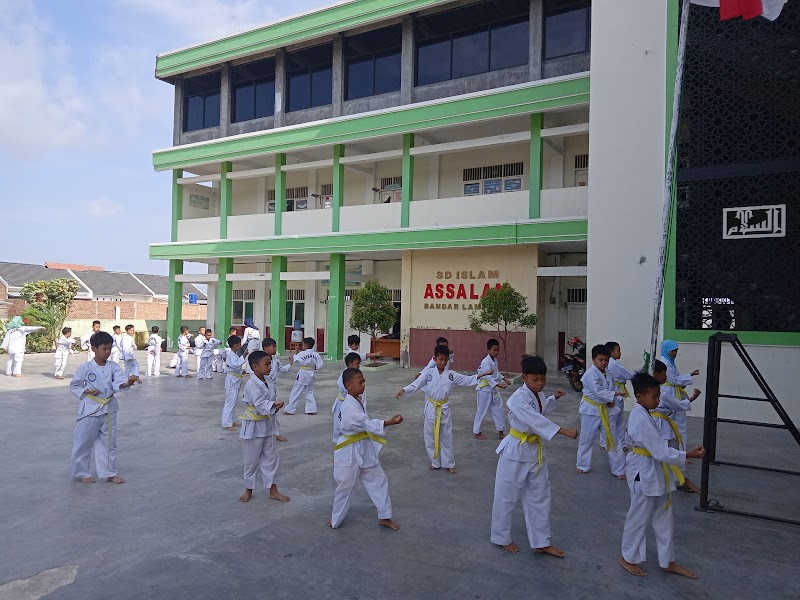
(175, 529)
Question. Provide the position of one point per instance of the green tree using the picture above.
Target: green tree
(373, 309)
(49, 303)
(502, 311)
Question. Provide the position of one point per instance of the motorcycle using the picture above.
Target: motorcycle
(574, 365)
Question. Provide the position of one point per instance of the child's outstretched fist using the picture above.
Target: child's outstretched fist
(698, 452)
(559, 393)
(570, 432)
(395, 420)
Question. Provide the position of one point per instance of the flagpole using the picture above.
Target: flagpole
(669, 184)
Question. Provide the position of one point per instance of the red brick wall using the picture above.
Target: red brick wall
(469, 348)
(103, 309)
(16, 307)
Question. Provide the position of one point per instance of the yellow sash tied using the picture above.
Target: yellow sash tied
(530, 439)
(339, 398)
(250, 415)
(483, 383)
(672, 424)
(680, 391)
(622, 388)
(604, 418)
(103, 402)
(364, 435)
(238, 375)
(438, 424)
(667, 468)
(305, 368)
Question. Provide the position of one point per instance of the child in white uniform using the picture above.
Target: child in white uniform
(355, 456)
(14, 343)
(233, 380)
(351, 361)
(183, 353)
(86, 341)
(521, 468)
(440, 341)
(154, 352)
(619, 377)
(199, 341)
(309, 362)
(489, 398)
(207, 355)
(116, 349)
(128, 344)
(251, 338)
(63, 350)
(651, 478)
(257, 434)
(95, 384)
(270, 346)
(354, 345)
(678, 381)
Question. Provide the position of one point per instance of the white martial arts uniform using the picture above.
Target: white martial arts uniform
(309, 362)
(218, 363)
(233, 381)
(338, 402)
(96, 427)
(129, 355)
(520, 472)
(154, 354)
(116, 348)
(14, 343)
(650, 493)
(437, 388)
(598, 387)
(183, 356)
(63, 350)
(86, 344)
(199, 342)
(678, 381)
(489, 398)
(275, 368)
(674, 408)
(619, 376)
(206, 357)
(358, 461)
(258, 433)
(251, 339)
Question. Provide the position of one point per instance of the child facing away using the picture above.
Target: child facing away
(86, 341)
(351, 361)
(354, 345)
(677, 381)
(521, 469)
(438, 422)
(207, 355)
(233, 380)
(14, 343)
(128, 344)
(251, 338)
(257, 433)
(598, 410)
(154, 352)
(218, 364)
(199, 341)
(441, 341)
(181, 369)
(270, 346)
(650, 467)
(355, 456)
(95, 384)
(619, 376)
(63, 350)
(309, 362)
(116, 349)
(489, 398)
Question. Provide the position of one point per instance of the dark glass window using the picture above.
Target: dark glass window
(253, 90)
(309, 75)
(567, 27)
(201, 101)
(474, 39)
(372, 62)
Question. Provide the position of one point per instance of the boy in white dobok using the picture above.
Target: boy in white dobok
(63, 350)
(129, 352)
(489, 398)
(233, 380)
(258, 434)
(351, 361)
(207, 355)
(521, 468)
(14, 343)
(86, 341)
(95, 384)
(116, 349)
(199, 342)
(651, 469)
(154, 352)
(181, 369)
(598, 410)
(355, 456)
(354, 345)
(438, 422)
(620, 377)
(309, 362)
(270, 346)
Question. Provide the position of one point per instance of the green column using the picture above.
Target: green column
(335, 342)
(225, 199)
(224, 297)
(277, 303)
(177, 202)
(338, 185)
(174, 304)
(408, 179)
(280, 192)
(534, 203)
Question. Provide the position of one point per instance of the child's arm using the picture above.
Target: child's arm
(284, 368)
(415, 385)
(660, 449)
(594, 389)
(695, 395)
(318, 362)
(467, 380)
(538, 423)
(550, 402)
(77, 385)
(266, 404)
(118, 381)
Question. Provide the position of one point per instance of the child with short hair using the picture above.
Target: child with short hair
(354, 345)
(619, 376)
(199, 342)
(181, 369)
(116, 349)
(351, 361)
(270, 346)
(257, 434)
(598, 409)
(489, 398)
(63, 350)
(128, 344)
(95, 384)
(14, 343)
(521, 468)
(233, 380)
(650, 467)
(154, 352)
(86, 341)
(438, 422)
(441, 341)
(355, 456)
(309, 362)
(207, 355)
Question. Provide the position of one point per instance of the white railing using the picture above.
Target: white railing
(302, 222)
(565, 202)
(251, 226)
(370, 217)
(191, 230)
(466, 210)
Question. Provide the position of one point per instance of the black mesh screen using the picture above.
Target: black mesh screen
(739, 148)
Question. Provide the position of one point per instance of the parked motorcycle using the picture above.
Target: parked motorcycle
(574, 365)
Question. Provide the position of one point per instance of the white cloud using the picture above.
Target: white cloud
(103, 207)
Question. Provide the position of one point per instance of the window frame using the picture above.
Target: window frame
(352, 55)
(204, 95)
(252, 82)
(309, 71)
(583, 5)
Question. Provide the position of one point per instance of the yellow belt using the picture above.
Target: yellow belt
(237, 375)
(103, 402)
(672, 424)
(339, 398)
(483, 383)
(528, 438)
(622, 387)
(667, 468)
(249, 415)
(438, 425)
(304, 368)
(604, 418)
(364, 435)
(679, 390)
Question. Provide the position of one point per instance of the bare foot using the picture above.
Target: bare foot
(452, 470)
(246, 496)
(688, 483)
(328, 523)
(389, 523)
(679, 570)
(631, 568)
(288, 414)
(115, 479)
(432, 468)
(552, 551)
(280, 438)
(512, 547)
(88, 480)
(274, 494)
(231, 428)
(500, 435)
(581, 471)
(237, 425)
(621, 477)
(480, 436)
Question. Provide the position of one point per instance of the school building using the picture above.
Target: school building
(446, 146)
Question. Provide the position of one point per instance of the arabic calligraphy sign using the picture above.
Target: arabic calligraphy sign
(754, 222)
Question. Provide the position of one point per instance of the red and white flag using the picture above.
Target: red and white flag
(747, 9)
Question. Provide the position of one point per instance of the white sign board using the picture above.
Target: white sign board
(745, 222)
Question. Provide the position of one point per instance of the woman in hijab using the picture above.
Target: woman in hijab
(14, 343)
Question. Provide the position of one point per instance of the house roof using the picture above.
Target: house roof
(112, 283)
(160, 285)
(55, 265)
(18, 274)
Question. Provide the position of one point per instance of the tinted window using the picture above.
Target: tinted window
(244, 103)
(387, 73)
(470, 53)
(265, 99)
(299, 91)
(433, 62)
(201, 102)
(310, 77)
(253, 90)
(359, 78)
(322, 87)
(566, 28)
(509, 45)
(373, 62)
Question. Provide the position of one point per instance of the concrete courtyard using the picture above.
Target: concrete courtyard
(176, 530)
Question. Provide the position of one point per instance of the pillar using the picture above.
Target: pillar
(280, 87)
(280, 192)
(338, 185)
(225, 103)
(534, 203)
(310, 324)
(225, 198)
(408, 179)
(224, 297)
(337, 75)
(277, 302)
(335, 342)
(535, 37)
(177, 202)
(174, 304)
(407, 61)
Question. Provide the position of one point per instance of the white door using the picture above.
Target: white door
(576, 320)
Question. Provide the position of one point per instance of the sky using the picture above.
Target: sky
(81, 113)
